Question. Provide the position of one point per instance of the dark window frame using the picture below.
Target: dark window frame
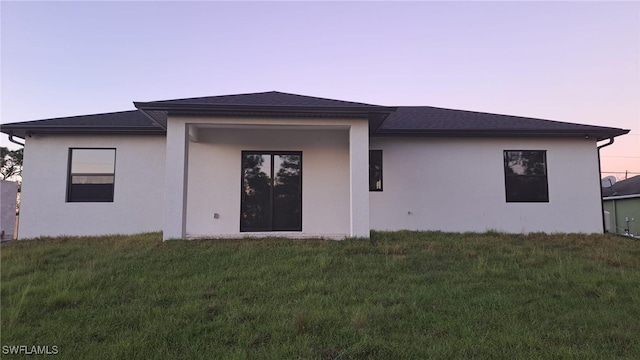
(372, 172)
(272, 154)
(536, 185)
(70, 198)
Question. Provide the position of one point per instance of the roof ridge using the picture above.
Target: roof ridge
(210, 96)
(322, 98)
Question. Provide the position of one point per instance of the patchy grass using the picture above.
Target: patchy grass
(398, 295)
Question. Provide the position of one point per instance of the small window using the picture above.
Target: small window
(91, 175)
(526, 176)
(375, 170)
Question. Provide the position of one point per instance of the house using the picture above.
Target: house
(622, 201)
(281, 164)
(8, 200)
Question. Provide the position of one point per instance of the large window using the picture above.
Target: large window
(91, 175)
(271, 191)
(375, 170)
(526, 176)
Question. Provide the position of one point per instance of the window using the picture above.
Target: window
(526, 176)
(375, 170)
(91, 175)
(271, 191)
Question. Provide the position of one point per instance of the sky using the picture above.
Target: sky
(568, 61)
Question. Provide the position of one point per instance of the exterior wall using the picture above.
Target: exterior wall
(139, 188)
(214, 184)
(448, 184)
(621, 209)
(8, 199)
(458, 184)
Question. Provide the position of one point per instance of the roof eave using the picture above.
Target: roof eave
(215, 108)
(621, 197)
(27, 131)
(598, 135)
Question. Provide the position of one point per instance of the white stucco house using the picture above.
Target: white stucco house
(289, 165)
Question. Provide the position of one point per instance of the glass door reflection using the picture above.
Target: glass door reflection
(271, 191)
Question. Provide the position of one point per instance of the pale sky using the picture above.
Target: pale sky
(568, 61)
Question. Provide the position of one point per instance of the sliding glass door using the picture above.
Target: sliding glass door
(271, 191)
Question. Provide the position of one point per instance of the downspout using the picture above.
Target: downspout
(15, 141)
(615, 216)
(604, 227)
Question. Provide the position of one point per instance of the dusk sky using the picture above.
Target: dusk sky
(568, 61)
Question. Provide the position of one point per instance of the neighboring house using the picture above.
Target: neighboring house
(622, 201)
(298, 166)
(8, 200)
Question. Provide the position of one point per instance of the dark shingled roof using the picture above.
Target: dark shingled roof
(271, 103)
(630, 186)
(122, 118)
(427, 120)
(123, 122)
(270, 98)
(151, 118)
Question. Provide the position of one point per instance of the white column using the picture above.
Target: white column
(359, 177)
(176, 175)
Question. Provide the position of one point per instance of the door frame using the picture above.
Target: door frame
(273, 154)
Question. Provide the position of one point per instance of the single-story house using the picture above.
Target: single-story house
(622, 202)
(281, 164)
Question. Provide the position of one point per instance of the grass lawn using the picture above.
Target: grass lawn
(401, 295)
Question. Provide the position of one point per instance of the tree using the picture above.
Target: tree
(11, 163)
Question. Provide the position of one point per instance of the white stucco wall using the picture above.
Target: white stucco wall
(457, 184)
(215, 178)
(448, 184)
(139, 188)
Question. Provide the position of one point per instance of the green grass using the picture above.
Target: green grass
(399, 295)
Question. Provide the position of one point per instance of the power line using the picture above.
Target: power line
(620, 175)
